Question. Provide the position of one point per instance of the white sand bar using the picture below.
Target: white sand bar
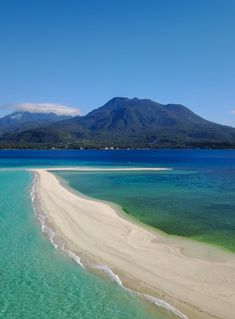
(94, 169)
(197, 279)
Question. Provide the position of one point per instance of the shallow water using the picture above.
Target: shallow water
(195, 200)
(38, 281)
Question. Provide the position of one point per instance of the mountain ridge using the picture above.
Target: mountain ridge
(128, 123)
(22, 120)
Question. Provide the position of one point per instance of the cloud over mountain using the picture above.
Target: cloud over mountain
(42, 108)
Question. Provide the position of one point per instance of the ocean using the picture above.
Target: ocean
(196, 200)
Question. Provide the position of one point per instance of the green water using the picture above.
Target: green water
(199, 204)
(196, 200)
(38, 281)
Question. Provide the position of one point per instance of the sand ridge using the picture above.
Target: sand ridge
(189, 273)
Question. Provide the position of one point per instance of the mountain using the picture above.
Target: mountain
(20, 121)
(128, 123)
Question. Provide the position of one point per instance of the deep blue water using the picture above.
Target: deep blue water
(200, 159)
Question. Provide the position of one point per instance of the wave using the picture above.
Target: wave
(163, 304)
(157, 301)
(47, 230)
(60, 244)
(109, 272)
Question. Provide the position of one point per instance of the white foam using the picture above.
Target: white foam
(33, 188)
(163, 304)
(48, 231)
(110, 273)
(157, 301)
(73, 256)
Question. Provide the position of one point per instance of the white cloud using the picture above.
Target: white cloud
(42, 108)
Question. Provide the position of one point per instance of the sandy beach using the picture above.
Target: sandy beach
(118, 169)
(197, 279)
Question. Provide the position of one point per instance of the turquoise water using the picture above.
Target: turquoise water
(38, 281)
(199, 204)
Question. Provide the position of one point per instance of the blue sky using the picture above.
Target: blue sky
(82, 53)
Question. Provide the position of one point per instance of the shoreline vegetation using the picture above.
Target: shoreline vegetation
(198, 279)
(77, 147)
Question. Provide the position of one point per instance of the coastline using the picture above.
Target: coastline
(198, 284)
(121, 211)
